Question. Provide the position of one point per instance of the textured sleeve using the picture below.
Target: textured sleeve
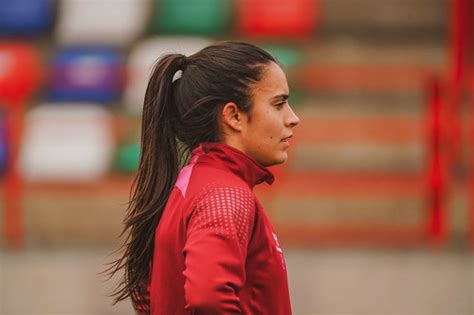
(216, 248)
(142, 302)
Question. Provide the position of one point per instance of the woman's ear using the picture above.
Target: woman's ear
(232, 116)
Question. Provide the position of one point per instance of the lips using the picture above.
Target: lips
(287, 138)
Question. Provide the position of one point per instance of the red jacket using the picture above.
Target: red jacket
(215, 249)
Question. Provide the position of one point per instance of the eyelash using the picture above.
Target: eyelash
(280, 105)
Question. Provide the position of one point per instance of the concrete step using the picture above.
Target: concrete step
(403, 18)
(350, 49)
(356, 210)
(380, 221)
(368, 64)
(330, 138)
(367, 134)
(70, 220)
(364, 157)
(57, 219)
(357, 104)
(363, 77)
(317, 208)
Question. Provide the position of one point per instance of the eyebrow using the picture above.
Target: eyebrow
(282, 97)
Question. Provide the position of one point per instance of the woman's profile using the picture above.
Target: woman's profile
(198, 240)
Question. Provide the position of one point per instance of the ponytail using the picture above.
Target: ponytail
(156, 176)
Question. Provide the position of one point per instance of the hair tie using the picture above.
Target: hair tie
(181, 65)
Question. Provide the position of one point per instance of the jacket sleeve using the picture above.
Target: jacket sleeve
(216, 248)
(142, 302)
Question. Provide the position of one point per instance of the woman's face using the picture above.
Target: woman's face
(267, 128)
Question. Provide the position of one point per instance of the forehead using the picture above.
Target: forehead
(273, 82)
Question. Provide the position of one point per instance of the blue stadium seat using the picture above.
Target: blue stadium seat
(25, 17)
(86, 74)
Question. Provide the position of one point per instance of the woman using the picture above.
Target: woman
(198, 240)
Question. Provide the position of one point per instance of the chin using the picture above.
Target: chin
(275, 160)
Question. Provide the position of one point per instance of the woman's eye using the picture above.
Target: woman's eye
(280, 105)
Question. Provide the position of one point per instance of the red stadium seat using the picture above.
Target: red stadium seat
(277, 18)
(20, 71)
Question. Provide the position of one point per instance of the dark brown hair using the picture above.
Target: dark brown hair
(178, 114)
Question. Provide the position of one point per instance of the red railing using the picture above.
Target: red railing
(460, 80)
(437, 166)
(18, 81)
(13, 192)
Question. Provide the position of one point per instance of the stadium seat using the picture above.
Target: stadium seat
(277, 19)
(86, 74)
(66, 142)
(285, 55)
(20, 71)
(25, 17)
(127, 157)
(102, 22)
(207, 17)
(144, 56)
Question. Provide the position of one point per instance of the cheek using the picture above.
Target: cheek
(263, 137)
(265, 132)
(270, 127)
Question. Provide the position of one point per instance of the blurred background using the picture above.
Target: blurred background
(375, 208)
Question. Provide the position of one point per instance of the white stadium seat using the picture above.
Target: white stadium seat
(145, 55)
(101, 22)
(66, 142)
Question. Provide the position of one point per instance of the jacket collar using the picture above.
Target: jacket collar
(226, 157)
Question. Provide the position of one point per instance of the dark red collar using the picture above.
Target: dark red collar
(226, 157)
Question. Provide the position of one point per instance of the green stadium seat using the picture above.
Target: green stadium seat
(205, 17)
(286, 55)
(127, 157)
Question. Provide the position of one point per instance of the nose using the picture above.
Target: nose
(292, 119)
